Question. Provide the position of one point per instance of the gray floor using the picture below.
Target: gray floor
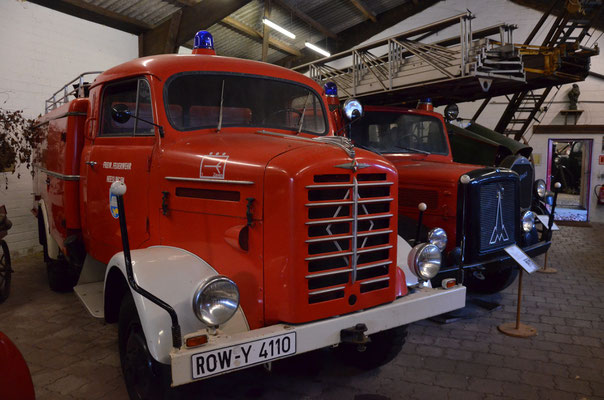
(73, 356)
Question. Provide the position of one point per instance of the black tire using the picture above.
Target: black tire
(5, 272)
(146, 378)
(382, 349)
(490, 282)
(62, 277)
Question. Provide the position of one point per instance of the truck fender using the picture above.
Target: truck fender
(402, 253)
(171, 274)
(52, 247)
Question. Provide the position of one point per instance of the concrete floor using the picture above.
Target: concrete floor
(73, 356)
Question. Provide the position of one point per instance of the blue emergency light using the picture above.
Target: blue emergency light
(203, 40)
(331, 89)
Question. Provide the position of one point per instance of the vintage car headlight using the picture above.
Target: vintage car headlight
(540, 187)
(438, 237)
(451, 112)
(216, 300)
(425, 260)
(528, 221)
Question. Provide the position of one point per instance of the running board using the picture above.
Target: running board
(91, 295)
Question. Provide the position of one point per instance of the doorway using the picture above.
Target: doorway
(569, 162)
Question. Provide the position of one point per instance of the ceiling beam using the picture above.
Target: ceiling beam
(170, 34)
(306, 18)
(361, 32)
(99, 15)
(364, 9)
(266, 30)
(254, 34)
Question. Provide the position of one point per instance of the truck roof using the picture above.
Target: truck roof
(165, 65)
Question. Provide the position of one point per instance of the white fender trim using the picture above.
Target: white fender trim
(51, 244)
(402, 254)
(171, 274)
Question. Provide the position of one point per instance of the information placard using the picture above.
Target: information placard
(544, 219)
(522, 258)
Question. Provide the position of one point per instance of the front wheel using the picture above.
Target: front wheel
(146, 378)
(5, 272)
(490, 281)
(382, 349)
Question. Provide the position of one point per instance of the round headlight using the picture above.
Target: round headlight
(438, 237)
(451, 112)
(528, 221)
(216, 300)
(424, 260)
(540, 187)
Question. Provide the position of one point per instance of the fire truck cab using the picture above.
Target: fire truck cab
(255, 234)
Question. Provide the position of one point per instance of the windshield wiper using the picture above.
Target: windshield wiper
(411, 149)
(220, 112)
(370, 148)
(301, 121)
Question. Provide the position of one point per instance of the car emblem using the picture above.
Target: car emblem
(499, 232)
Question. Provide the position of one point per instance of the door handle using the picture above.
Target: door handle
(91, 163)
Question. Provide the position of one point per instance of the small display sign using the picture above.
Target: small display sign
(522, 258)
(544, 219)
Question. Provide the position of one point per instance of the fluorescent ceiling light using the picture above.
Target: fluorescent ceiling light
(278, 28)
(317, 49)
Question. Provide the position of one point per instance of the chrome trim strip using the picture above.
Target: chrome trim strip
(348, 253)
(377, 264)
(333, 221)
(348, 185)
(376, 280)
(327, 239)
(327, 290)
(346, 202)
(59, 175)
(355, 228)
(368, 266)
(207, 180)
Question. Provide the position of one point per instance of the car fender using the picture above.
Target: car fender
(52, 247)
(402, 254)
(171, 274)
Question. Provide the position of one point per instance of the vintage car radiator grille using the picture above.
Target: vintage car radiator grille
(349, 227)
(497, 215)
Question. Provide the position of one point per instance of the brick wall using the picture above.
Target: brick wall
(41, 51)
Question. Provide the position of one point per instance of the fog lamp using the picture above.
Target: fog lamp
(216, 300)
(540, 188)
(528, 221)
(425, 261)
(438, 237)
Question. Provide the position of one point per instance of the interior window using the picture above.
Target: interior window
(136, 95)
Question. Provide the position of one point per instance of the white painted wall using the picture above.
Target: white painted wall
(492, 12)
(41, 51)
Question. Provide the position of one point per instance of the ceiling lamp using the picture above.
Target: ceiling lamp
(317, 49)
(278, 28)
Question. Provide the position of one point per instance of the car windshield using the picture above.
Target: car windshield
(210, 100)
(393, 132)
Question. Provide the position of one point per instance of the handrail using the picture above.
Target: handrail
(53, 101)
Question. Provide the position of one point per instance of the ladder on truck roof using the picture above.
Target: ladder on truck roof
(79, 88)
(403, 64)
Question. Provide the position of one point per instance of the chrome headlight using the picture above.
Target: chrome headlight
(425, 260)
(540, 187)
(216, 300)
(528, 221)
(438, 237)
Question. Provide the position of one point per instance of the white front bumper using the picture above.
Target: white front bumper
(423, 303)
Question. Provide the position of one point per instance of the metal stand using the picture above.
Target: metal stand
(546, 270)
(517, 329)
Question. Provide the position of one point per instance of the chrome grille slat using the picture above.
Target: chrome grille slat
(347, 253)
(341, 271)
(333, 221)
(348, 185)
(327, 290)
(345, 203)
(342, 237)
(387, 278)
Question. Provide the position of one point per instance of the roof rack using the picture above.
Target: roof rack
(80, 89)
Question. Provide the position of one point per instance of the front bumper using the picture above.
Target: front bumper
(421, 304)
(499, 259)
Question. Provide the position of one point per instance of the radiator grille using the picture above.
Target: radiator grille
(497, 215)
(349, 227)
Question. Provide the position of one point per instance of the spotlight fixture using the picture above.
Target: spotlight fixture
(317, 49)
(278, 28)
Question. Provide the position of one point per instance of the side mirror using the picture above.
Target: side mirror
(353, 109)
(120, 113)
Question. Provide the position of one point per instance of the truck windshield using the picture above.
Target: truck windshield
(208, 100)
(392, 132)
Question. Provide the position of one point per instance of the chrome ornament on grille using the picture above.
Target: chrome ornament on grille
(343, 142)
(499, 234)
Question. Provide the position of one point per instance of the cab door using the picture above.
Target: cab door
(119, 151)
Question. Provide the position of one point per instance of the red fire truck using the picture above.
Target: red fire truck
(472, 212)
(255, 233)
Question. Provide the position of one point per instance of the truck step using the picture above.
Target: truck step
(91, 295)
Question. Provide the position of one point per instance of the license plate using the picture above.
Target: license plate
(242, 355)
